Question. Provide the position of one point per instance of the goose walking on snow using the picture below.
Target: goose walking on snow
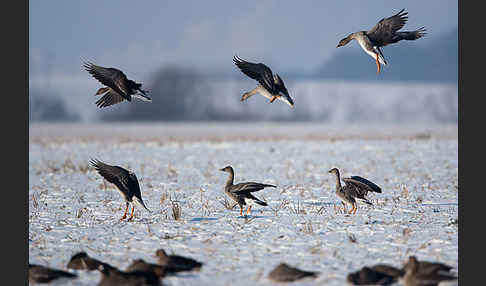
(385, 32)
(355, 189)
(270, 85)
(118, 86)
(241, 193)
(125, 181)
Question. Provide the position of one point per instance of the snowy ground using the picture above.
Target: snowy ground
(71, 209)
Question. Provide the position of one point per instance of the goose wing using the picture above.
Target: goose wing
(259, 72)
(363, 184)
(115, 175)
(249, 187)
(110, 77)
(383, 32)
(110, 98)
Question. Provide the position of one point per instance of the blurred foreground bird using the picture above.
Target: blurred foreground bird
(118, 86)
(125, 181)
(81, 261)
(111, 276)
(421, 273)
(241, 193)
(286, 273)
(176, 263)
(41, 274)
(270, 85)
(385, 32)
(355, 189)
(379, 274)
(140, 265)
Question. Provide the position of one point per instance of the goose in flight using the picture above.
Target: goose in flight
(241, 193)
(270, 85)
(118, 86)
(125, 181)
(385, 32)
(355, 189)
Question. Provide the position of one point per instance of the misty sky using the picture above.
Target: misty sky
(143, 35)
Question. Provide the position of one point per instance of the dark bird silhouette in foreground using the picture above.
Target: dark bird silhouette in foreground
(270, 85)
(111, 276)
(379, 274)
(42, 274)
(142, 266)
(241, 193)
(355, 189)
(286, 273)
(176, 263)
(385, 32)
(427, 266)
(118, 86)
(418, 273)
(125, 181)
(81, 261)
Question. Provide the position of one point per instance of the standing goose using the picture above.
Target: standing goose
(241, 193)
(356, 189)
(385, 32)
(43, 274)
(270, 85)
(125, 181)
(118, 86)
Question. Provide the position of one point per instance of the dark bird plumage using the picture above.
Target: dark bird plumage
(124, 180)
(43, 274)
(177, 263)
(140, 265)
(385, 32)
(420, 273)
(355, 189)
(119, 87)
(286, 273)
(270, 85)
(427, 266)
(111, 276)
(380, 274)
(81, 261)
(241, 193)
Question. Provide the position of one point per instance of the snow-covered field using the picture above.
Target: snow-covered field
(72, 209)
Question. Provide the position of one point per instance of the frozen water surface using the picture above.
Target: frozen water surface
(71, 208)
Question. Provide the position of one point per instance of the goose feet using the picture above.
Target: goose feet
(378, 64)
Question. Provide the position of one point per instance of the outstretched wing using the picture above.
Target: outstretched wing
(259, 72)
(114, 174)
(110, 98)
(249, 187)
(363, 184)
(383, 32)
(110, 77)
